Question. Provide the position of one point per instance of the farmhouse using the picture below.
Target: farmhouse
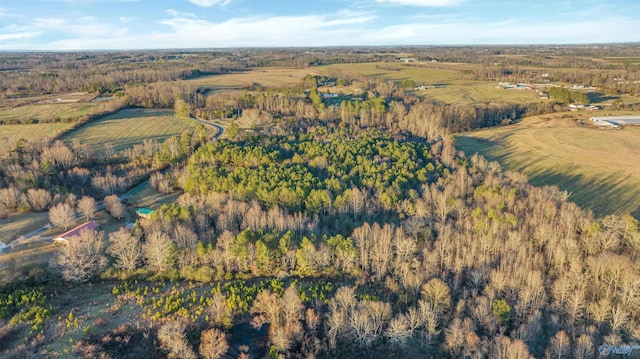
(75, 232)
(145, 212)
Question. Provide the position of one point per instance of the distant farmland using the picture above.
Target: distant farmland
(600, 168)
(127, 127)
(49, 112)
(266, 77)
(9, 134)
(448, 78)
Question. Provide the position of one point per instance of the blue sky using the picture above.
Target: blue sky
(149, 24)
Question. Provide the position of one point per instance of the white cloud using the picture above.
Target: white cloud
(209, 3)
(126, 19)
(175, 13)
(84, 26)
(4, 12)
(19, 35)
(426, 3)
(347, 27)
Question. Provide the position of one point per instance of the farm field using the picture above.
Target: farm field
(449, 88)
(21, 223)
(9, 134)
(127, 127)
(398, 72)
(601, 168)
(49, 112)
(267, 77)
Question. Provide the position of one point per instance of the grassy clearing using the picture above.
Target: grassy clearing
(450, 88)
(398, 72)
(601, 168)
(130, 126)
(50, 112)
(9, 134)
(151, 198)
(473, 92)
(267, 77)
(21, 223)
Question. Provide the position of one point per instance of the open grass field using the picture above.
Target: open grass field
(601, 168)
(49, 111)
(21, 223)
(150, 198)
(127, 127)
(448, 79)
(474, 92)
(9, 134)
(398, 71)
(267, 77)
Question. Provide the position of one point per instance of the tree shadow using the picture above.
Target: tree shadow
(603, 195)
(598, 97)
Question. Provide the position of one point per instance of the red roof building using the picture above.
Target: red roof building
(75, 232)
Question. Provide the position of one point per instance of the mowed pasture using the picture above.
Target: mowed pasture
(600, 168)
(451, 82)
(127, 127)
(264, 77)
(9, 134)
(49, 112)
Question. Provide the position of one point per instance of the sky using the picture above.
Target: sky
(66, 25)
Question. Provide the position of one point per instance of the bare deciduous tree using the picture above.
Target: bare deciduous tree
(126, 248)
(62, 215)
(87, 207)
(173, 338)
(39, 199)
(82, 257)
(158, 251)
(115, 207)
(213, 344)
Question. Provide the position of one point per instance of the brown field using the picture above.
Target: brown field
(266, 77)
(130, 126)
(9, 134)
(21, 223)
(42, 99)
(601, 168)
(151, 198)
(50, 111)
(448, 79)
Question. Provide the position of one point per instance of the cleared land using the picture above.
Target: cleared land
(49, 112)
(446, 79)
(127, 127)
(9, 134)
(601, 168)
(266, 77)
(21, 223)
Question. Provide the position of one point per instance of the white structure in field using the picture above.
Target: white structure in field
(615, 121)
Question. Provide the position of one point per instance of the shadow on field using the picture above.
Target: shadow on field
(607, 195)
(603, 195)
(597, 97)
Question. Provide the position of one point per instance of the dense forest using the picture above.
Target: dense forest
(315, 230)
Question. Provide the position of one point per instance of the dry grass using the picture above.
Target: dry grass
(474, 92)
(267, 77)
(601, 168)
(451, 87)
(9, 134)
(151, 198)
(21, 223)
(130, 126)
(387, 71)
(48, 112)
